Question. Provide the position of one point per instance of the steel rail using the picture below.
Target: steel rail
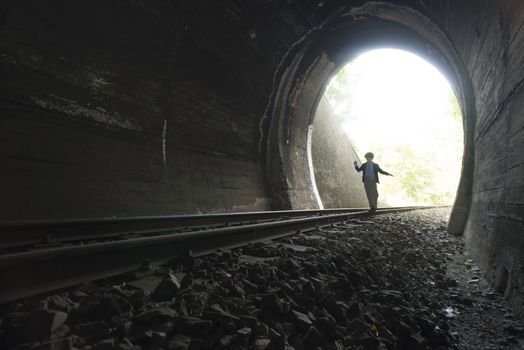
(35, 272)
(27, 233)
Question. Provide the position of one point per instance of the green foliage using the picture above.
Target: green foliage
(426, 174)
(455, 111)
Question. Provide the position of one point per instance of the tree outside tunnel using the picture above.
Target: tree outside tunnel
(399, 106)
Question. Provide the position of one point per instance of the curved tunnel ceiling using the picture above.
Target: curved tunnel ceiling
(310, 64)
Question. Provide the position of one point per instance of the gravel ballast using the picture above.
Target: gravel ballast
(394, 281)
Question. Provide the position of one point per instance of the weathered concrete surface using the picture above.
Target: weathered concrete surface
(338, 184)
(141, 108)
(493, 54)
(123, 108)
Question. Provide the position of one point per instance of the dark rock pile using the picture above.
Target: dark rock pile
(378, 284)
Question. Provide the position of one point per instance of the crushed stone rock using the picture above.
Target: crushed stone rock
(387, 282)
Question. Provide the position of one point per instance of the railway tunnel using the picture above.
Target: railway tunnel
(129, 108)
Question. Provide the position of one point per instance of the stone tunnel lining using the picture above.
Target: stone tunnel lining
(317, 57)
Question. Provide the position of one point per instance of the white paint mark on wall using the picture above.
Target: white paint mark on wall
(96, 114)
(164, 136)
(310, 166)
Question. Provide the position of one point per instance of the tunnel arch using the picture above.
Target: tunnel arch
(309, 65)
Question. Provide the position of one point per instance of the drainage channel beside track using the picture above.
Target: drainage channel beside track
(27, 273)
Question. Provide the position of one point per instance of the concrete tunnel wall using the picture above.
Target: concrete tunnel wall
(141, 108)
(117, 108)
(338, 184)
(124, 109)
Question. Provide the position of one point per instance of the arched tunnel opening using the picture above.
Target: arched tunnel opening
(299, 86)
(400, 107)
(306, 71)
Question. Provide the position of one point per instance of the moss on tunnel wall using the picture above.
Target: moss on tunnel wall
(127, 108)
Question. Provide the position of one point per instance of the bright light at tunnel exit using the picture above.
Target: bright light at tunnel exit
(400, 107)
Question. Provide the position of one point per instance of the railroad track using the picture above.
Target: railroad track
(39, 257)
(27, 234)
